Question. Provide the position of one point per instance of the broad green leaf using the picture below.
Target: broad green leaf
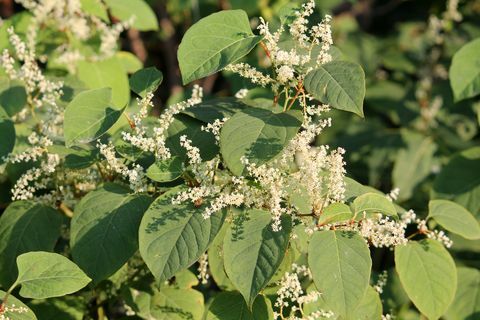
(253, 252)
(89, 116)
(466, 304)
(454, 218)
(25, 226)
(341, 84)
(107, 73)
(465, 71)
(7, 142)
(215, 42)
(370, 307)
(144, 17)
(428, 275)
(46, 275)
(65, 308)
(211, 110)
(95, 8)
(340, 264)
(373, 203)
(145, 80)
(13, 98)
(413, 163)
(129, 61)
(216, 260)
(257, 134)
(229, 305)
(166, 170)
(459, 181)
(172, 237)
(169, 303)
(106, 219)
(12, 305)
(336, 212)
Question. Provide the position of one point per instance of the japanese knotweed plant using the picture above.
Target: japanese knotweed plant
(235, 187)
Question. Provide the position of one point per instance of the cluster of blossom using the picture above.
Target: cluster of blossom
(40, 90)
(11, 309)
(381, 281)
(242, 93)
(109, 35)
(38, 149)
(156, 143)
(139, 138)
(35, 178)
(291, 294)
(292, 65)
(383, 231)
(135, 175)
(215, 127)
(69, 17)
(272, 180)
(393, 194)
(202, 269)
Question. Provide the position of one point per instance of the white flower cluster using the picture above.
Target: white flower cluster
(35, 178)
(291, 294)
(383, 232)
(11, 309)
(393, 195)
(69, 17)
(41, 91)
(215, 127)
(250, 73)
(242, 93)
(135, 175)
(381, 282)
(291, 65)
(202, 269)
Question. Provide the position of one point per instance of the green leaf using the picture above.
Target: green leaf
(465, 71)
(25, 226)
(413, 163)
(428, 275)
(459, 181)
(169, 303)
(219, 108)
(216, 260)
(341, 84)
(145, 19)
(106, 219)
(45, 275)
(166, 170)
(373, 203)
(13, 98)
(253, 252)
(454, 218)
(95, 8)
(172, 237)
(89, 116)
(215, 42)
(107, 73)
(231, 306)
(466, 304)
(7, 142)
(145, 80)
(257, 134)
(129, 61)
(340, 264)
(13, 303)
(370, 307)
(336, 212)
(65, 308)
